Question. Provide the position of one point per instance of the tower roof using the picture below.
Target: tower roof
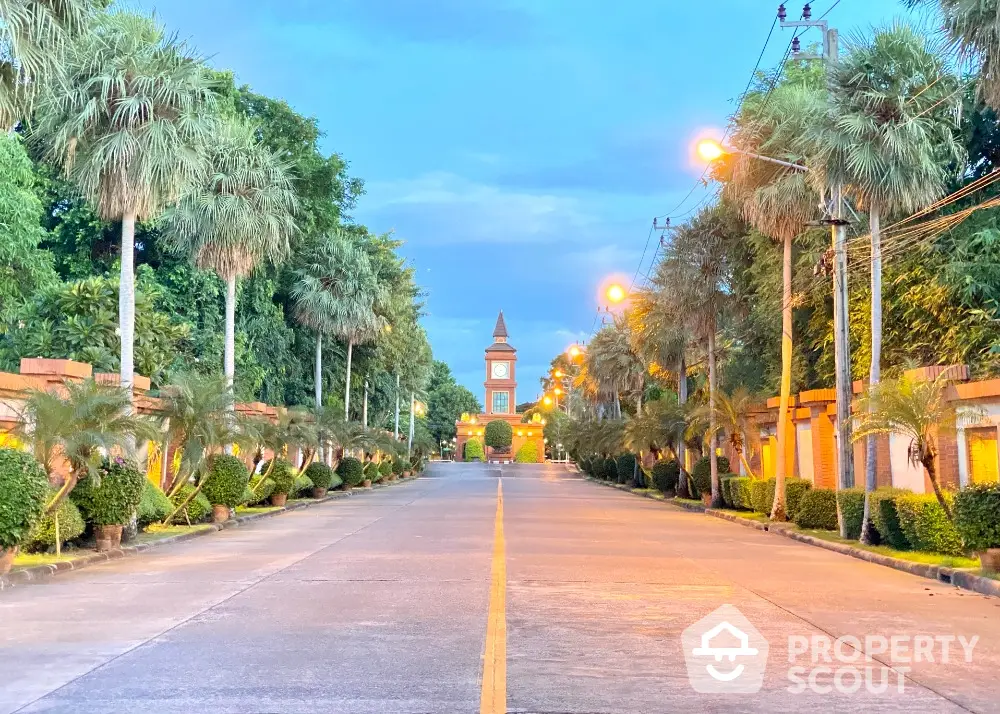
(501, 329)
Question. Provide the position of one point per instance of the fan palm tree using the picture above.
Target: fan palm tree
(918, 409)
(734, 420)
(34, 35)
(81, 422)
(337, 292)
(238, 215)
(889, 140)
(658, 427)
(613, 364)
(778, 201)
(129, 125)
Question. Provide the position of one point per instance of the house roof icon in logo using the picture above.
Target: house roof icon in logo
(730, 653)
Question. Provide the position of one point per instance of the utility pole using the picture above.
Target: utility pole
(396, 428)
(838, 234)
(364, 409)
(413, 407)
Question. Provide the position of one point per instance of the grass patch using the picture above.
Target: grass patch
(157, 532)
(914, 556)
(991, 576)
(29, 560)
(251, 510)
(748, 515)
(689, 501)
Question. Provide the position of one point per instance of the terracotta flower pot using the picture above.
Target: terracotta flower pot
(367, 483)
(990, 560)
(406, 474)
(392, 477)
(278, 499)
(220, 514)
(108, 537)
(7, 556)
(319, 492)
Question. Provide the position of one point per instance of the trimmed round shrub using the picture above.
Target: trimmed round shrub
(474, 450)
(23, 488)
(626, 469)
(701, 474)
(302, 488)
(398, 466)
(43, 536)
(321, 475)
(385, 468)
(886, 517)
(351, 471)
(226, 482)
(817, 509)
(795, 488)
(259, 492)
(112, 498)
(527, 454)
(498, 434)
(371, 471)
(665, 475)
(852, 508)
(154, 505)
(283, 476)
(926, 525)
(610, 470)
(977, 517)
(197, 509)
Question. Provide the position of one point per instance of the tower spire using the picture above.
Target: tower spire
(501, 329)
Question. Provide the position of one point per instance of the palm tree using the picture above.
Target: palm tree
(919, 409)
(734, 419)
(778, 201)
(34, 35)
(338, 292)
(128, 125)
(658, 427)
(82, 422)
(616, 368)
(239, 214)
(889, 141)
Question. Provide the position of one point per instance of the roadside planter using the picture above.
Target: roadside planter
(108, 537)
(283, 476)
(220, 513)
(110, 500)
(225, 485)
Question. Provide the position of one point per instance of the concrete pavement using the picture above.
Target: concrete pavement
(381, 604)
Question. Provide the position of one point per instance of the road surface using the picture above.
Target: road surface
(443, 595)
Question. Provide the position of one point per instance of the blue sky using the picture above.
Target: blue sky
(520, 147)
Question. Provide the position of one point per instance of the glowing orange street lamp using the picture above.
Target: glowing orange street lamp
(710, 150)
(547, 401)
(557, 391)
(615, 294)
(557, 374)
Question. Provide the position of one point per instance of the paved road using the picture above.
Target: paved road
(381, 603)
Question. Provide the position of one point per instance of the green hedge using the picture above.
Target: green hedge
(385, 468)
(112, 497)
(795, 489)
(726, 486)
(302, 488)
(351, 471)
(625, 465)
(197, 510)
(283, 476)
(43, 535)
(977, 517)
(322, 476)
(926, 526)
(701, 474)
(474, 450)
(852, 507)
(762, 495)
(154, 505)
(817, 509)
(259, 493)
(665, 475)
(736, 492)
(610, 470)
(23, 488)
(226, 482)
(498, 434)
(885, 517)
(527, 454)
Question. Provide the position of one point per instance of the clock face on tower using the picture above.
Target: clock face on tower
(500, 370)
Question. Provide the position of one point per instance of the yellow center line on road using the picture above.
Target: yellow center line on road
(494, 695)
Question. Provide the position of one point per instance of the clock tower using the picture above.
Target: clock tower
(500, 385)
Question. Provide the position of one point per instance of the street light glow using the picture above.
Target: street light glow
(573, 352)
(710, 150)
(616, 293)
(547, 401)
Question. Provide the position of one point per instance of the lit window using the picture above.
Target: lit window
(500, 403)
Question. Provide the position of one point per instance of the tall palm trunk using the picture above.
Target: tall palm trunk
(395, 430)
(778, 509)
(229, 349)
(347, 389)
(931, 468)
(682, 397)
(126, 303)
(875, 373)
(713, 457)
(318, 372)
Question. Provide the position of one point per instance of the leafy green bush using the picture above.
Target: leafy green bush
(665, 475)
(977, 517)
(371, 471)
(385, 468)
(197, 510)
(498, 434)
(303, 487)
(701, 474)
(885, 516)
(260, 492)
(23, 487)
(726, 486)
(112, 498)
(795, 488)
(610, 470)
(736, 492)
(226, 481)
(817, 509)
(43, 536)
(926, 526)
(283, 476)
(762, 495)
(527, 454)
(626, 468)
(351, 471)
(474, 450)
(398, 466)
(154, 505)
(321, 475)
(852, 507)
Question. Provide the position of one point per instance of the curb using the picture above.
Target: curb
(48, 570)
(949, 576)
